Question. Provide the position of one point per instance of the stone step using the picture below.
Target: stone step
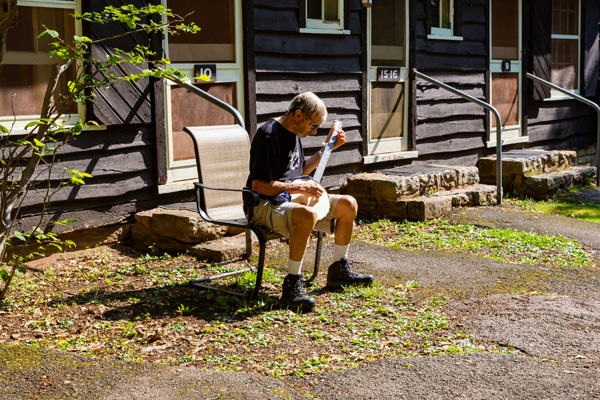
(537, 173)
(544, 186)
(418, 192)
(525, 162)
(179, 228)
(423, 208)
(409, 181)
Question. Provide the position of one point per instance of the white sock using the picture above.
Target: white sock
(294, 267)
(340, 252)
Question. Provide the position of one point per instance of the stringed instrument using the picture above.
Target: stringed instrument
(320, 205)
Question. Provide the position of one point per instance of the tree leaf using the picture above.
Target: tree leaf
(50, 32)
(34, 123)
(4, 275)
(57, 246)
(19, 236)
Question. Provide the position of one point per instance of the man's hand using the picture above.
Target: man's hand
(307, 187)
(339, 140)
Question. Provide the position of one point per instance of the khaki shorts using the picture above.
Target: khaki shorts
(278, 218)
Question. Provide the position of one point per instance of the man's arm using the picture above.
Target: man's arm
(312, 163)
(274, 188)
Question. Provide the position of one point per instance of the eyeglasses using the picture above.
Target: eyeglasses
(312, 126)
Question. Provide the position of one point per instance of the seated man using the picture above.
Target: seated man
(276, 159)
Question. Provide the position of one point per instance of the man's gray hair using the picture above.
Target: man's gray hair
(308, 103)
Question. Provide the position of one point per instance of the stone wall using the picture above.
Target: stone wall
(586, 155)
(417, 196)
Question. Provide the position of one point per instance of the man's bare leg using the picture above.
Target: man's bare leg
(344, 214)
(339, 273)
(303, 221)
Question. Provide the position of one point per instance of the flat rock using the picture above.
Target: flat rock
(182, 225)
(223, 249)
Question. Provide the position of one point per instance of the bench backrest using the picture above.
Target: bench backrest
(222, 159)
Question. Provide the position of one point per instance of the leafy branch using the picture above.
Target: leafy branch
(25, 153)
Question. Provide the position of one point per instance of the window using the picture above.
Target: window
(565, 44)
(440, 19)
(27, 65)
(218, 46)
(324, 16)
(215, 43)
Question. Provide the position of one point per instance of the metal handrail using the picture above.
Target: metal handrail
(498, 127)
(212, 99)
(582, 100)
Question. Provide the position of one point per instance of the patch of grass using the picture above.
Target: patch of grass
(501, 244)
(586, 210)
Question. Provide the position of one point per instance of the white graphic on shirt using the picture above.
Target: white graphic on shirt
(294, 159)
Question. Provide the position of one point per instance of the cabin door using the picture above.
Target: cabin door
(388, 61)
(505, 67)
(216, 52)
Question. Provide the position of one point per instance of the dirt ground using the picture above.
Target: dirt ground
(545, 321)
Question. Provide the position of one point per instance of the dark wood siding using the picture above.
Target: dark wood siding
(289, 62)
(448, 127)
(565, 124)
(540, 45)
(122, 162)
(591, 47)
(124, 102)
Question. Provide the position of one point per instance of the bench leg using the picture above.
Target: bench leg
(317, 256)
(248, 243)
(260, 267)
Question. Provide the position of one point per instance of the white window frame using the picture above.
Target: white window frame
(323, 26)
(179, 173)
(439, 33)
(19, 122)
(555, 94)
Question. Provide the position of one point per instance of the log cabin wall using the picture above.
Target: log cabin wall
(121, 158)
(122, 161)
(449, 129)
(562, 124)
(288, 62)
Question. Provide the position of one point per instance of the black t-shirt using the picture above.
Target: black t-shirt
(276, 154)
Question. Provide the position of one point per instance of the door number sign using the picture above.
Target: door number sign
(388, 74)
(208, 70)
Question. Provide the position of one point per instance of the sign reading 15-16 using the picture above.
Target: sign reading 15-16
(388, 74)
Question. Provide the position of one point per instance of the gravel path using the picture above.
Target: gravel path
(33, 373)
(474, 376)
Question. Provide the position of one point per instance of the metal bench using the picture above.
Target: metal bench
(223, 158)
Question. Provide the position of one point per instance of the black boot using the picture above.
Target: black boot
(340, 274)
(293, 294)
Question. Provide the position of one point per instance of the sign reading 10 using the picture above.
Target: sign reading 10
(207, 70)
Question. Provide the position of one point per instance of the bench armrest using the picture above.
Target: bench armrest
(250, 199)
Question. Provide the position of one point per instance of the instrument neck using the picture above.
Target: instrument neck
(324, 158)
